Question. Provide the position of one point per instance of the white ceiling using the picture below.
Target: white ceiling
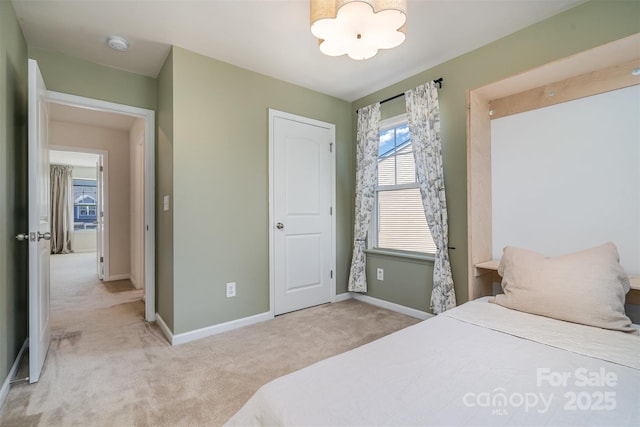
(271, 37)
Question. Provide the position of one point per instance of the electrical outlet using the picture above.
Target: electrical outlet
(380, 274)
(231, 289)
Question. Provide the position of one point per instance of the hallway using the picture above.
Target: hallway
(75, 287)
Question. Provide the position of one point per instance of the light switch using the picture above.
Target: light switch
(165, 203)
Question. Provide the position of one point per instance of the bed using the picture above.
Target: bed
(480, 363)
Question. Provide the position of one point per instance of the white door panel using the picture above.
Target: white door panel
(39, 224)
(304, 259)
(302, 233)
(302, 169)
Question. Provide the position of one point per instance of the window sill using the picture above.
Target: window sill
(401, 254)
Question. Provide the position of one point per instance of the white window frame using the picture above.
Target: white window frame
(372, 236)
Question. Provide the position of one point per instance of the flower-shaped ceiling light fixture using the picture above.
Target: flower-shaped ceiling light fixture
(358, 28)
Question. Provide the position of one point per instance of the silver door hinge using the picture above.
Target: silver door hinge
(331, 147)
(330, 210)
(331, 274)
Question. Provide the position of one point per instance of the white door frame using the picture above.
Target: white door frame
(149, 181)
(281, 114)
(102, 205)
(105, 204)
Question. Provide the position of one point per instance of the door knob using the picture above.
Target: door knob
(279, 226)
(32, 236)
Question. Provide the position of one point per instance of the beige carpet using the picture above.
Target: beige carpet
(75, 287)
(108, 367)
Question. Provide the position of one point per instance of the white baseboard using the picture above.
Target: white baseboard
(4, 391)
(117, 277)
(134, 282)
(164, 328)
(185, 337)
(343, 296)
(392, 306)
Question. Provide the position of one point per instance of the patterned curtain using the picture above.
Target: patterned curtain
(366, 177)
(61, 209)
(423, 114)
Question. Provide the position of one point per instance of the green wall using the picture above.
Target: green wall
(220, 185)
(66, 74)
(578, 29)
(13, 182)
(164, 186)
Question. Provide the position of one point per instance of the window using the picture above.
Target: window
(398, 220)
(87, 210)
(84, 204)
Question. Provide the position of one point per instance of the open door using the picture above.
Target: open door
(39, 223)
(100, 217)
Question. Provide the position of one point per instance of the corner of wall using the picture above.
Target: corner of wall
(164, 188)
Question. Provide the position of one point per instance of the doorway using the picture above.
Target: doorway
(128, 214)
(81, 223)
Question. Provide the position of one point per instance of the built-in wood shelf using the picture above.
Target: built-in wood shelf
(492, 264)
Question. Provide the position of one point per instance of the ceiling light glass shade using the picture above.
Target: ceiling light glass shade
(358, 28)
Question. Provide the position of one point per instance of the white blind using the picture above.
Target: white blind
(400, 220)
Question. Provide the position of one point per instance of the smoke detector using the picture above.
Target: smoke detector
(118, 43)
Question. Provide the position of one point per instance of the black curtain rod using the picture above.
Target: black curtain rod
(436, 81)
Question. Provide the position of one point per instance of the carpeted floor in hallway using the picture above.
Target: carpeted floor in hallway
(108, 367)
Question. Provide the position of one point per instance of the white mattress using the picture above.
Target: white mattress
(448, 371)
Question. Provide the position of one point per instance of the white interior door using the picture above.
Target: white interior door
(39, 223)
(100, 217)
(302, 225)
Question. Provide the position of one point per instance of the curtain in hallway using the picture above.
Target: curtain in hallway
(423, 114)
(368, 139)
(61, 209)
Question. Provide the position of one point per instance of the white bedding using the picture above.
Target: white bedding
(449, 371)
